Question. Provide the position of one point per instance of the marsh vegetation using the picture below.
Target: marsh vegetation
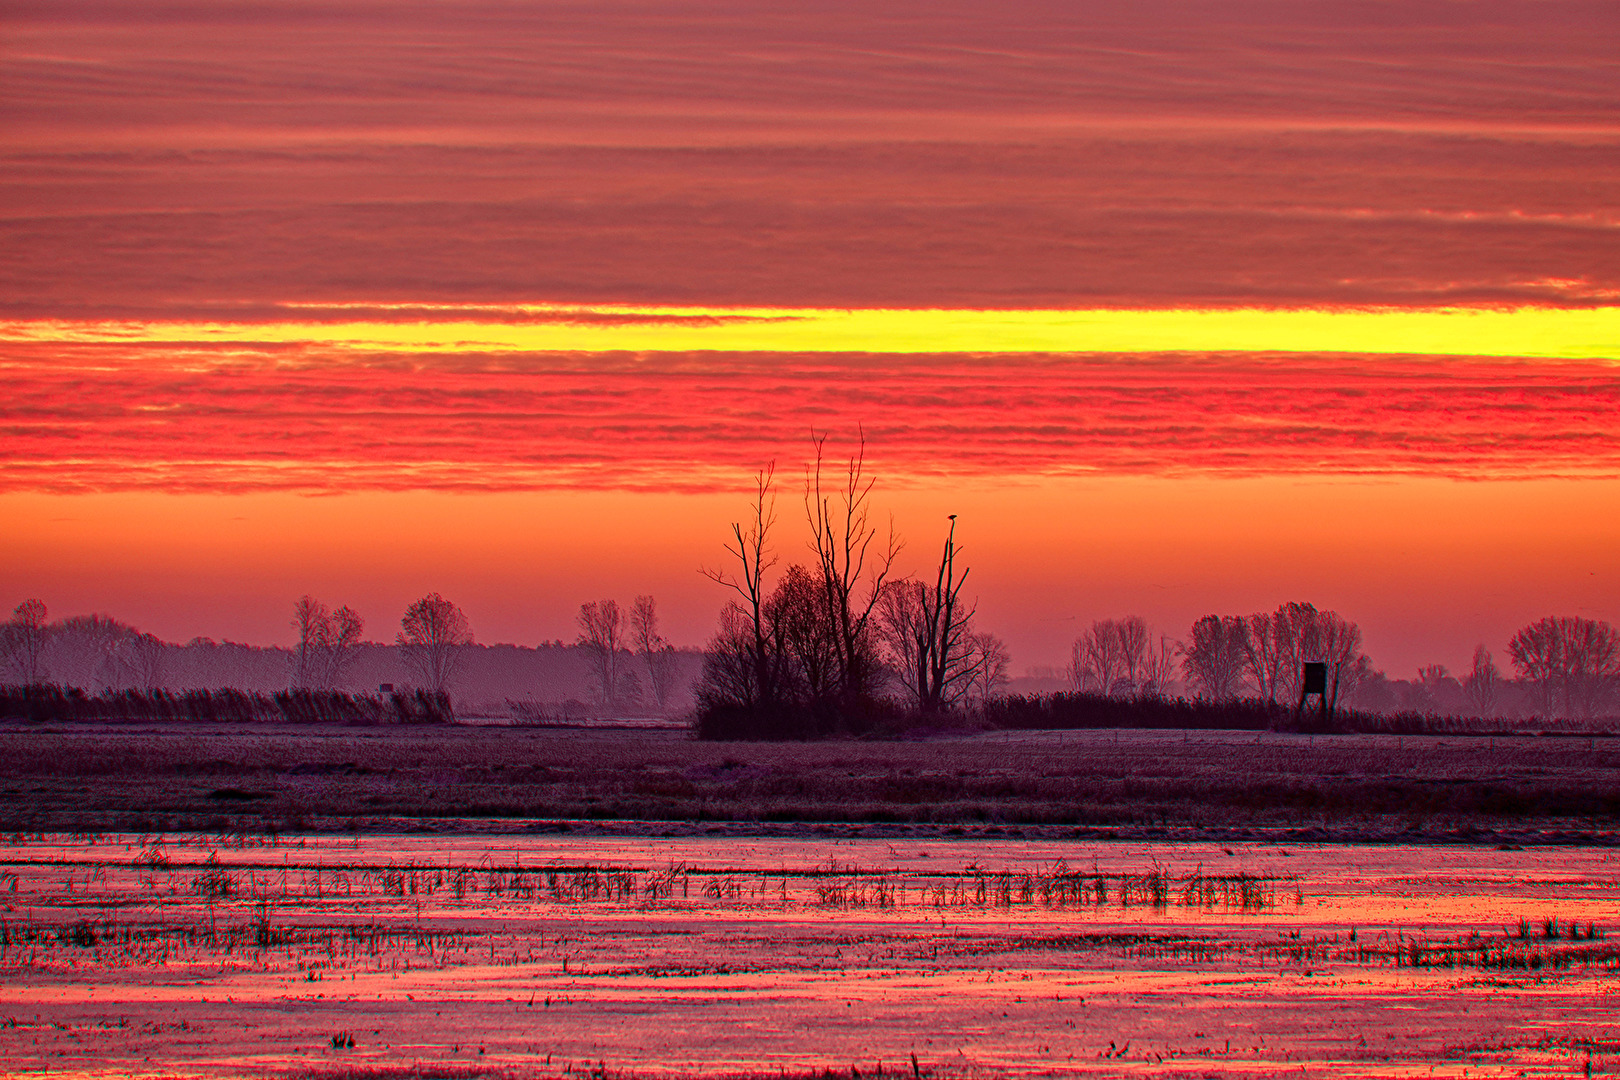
(557, 956)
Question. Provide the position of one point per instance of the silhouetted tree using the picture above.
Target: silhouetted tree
(431, 636)
(1158, 669)
(347, 626)
(24, 640)
(1109, 658)
(750, 547)
(853, 566)
(143, 661)
(1364, 687)
(1265, 652)
(312, 621)
(1118, 658)
(83, 651)
(656, 654)
(1278, 644)
(1094, 661)
(1537, 652)
(927, 632)
(731, 668)
(1298, 629)
(1335, 641)
(601, 635)
(1572, 663)
(1483, 684)
(990, 665)
(800, 629)
(1214, 656)
(327, 643)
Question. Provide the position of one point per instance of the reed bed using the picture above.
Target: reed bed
(318, 952)
(1503, 953)
(1055, 886)
(334, 921)
(56, 704)
(255, 943)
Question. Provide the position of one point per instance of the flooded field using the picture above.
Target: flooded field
(551, 956)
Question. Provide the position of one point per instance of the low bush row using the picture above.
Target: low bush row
(1071, 711)
(44, 703)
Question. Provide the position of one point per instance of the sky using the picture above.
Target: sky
(1180, 307)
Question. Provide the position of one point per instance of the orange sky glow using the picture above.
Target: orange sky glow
(1183, 308)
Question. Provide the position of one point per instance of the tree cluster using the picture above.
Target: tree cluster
(431, 636)
(614, 643)
(327, 641)
(839, 643)
(96, 652)
(1119, 658)
(1572, 665)
(1227, 656)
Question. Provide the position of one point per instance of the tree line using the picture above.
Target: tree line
(839, 642)
(1566, 666)
(99, 653)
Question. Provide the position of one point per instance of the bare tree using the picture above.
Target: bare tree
(853, 564)
(927, 631)
(1133, 648)
(1591, 666)
(431, 636)
(25, 639)
(1484, 683)
(1277, 645)
(143, 659)
(750, 547)
(327, 642)
(1298, 629)
(803, 637)
(313, 623)
(1213, 658)
(1265, 652)
(730, 670)
(1573, 664)
(990, 664)
(601, 635)
(657, 654)
(347, 626)
(1158, 669)
(1110, 658)
(83, 650)
(902, 630)
(1537, 652)
(1362, 685)
(1335, 641)
(1094, 660)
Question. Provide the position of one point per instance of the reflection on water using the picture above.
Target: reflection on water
(549, 954)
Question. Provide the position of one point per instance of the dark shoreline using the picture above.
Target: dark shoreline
(1506, 838)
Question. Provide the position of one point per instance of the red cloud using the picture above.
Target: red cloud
(110, 417)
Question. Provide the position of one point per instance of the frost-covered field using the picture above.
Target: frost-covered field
(1159, 785)
(447, 955)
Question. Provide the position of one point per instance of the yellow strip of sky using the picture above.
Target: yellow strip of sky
(1587, 333)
